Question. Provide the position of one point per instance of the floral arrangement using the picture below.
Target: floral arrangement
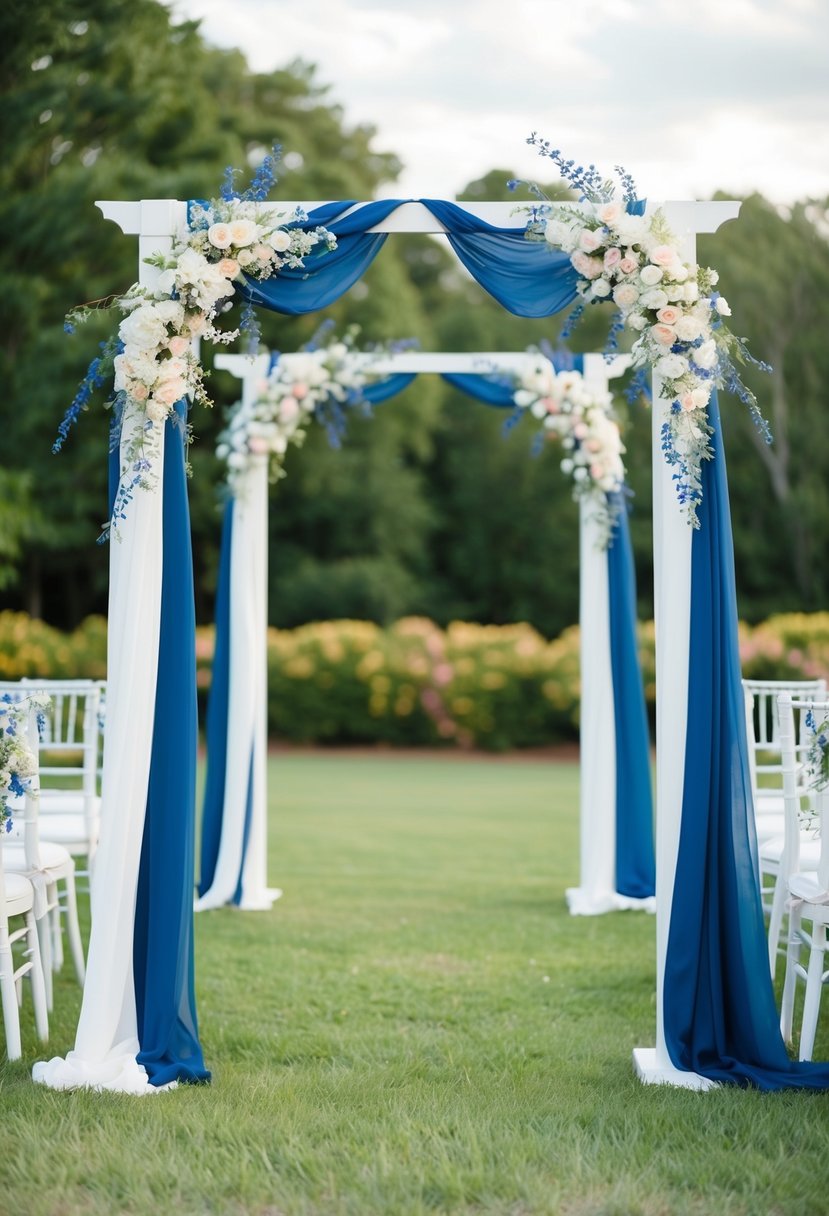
(816, 762)
(581, 416)
(672, 306)
(18, 763)
(318, 382)
(152, 357)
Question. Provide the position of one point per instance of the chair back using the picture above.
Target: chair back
(763, 731)
(24, 808)
(804, 744)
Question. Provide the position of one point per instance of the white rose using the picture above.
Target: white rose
(245, 257)
(242, 232)
(219, 236)
(523, 397)
(636, 321)
(671, 366)
(700, 396)
(170, 312)
(601, 288)
(631, 229)
(625, 295)
(156, 410)
(691, 291)
(689, 328)
(280, 240)
(650, 275)
(143, 328)
(706, 355)
(722, 306)
(654, 298)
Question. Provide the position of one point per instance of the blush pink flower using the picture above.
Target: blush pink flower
(258, 445)
(612, 257)
(628, 264)
(139, 392)
(664, 334)
(687, 402)
(589, 240)
(178, 346)
(663, 255)
(669, 315)
(229, 267)
(300, 391)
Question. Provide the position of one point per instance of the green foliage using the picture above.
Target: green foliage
(427, 509)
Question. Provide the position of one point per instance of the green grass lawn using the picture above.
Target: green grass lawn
(416, 1027)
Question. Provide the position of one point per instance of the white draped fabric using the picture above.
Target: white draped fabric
(246, 759)
(106, 1043)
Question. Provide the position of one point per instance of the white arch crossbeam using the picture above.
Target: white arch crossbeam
(157, 221)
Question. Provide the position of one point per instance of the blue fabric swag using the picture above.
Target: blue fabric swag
(163, 933)
(719, 1011)
(528, 277)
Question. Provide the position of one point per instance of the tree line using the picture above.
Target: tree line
(428, 508)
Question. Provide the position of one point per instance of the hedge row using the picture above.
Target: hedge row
(486, 686)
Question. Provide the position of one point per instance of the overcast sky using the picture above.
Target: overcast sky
(690, 97)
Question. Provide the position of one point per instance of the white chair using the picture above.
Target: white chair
(808, 889)
(50, 870)
(766, 771)
(17, 901)
(70, 753)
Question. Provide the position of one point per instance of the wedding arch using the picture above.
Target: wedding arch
(716, 1016)
(616, 832)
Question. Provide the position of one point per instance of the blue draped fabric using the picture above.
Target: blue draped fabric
(529, 278)
(635, 863)
(378, 391)
(163, 940)
(217, 708)
(480, 386)
(719, 1011)
(326, 275)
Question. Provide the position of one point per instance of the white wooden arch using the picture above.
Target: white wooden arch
(247, 709)
(130, 716)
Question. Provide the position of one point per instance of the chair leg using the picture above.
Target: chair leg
(790, 984)
(11, 1016)
(44, 938)
(38, 983)
(57, 933)
(73, 929)
(778, 908)
(811, 1005)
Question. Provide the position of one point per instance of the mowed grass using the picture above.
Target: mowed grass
(417, 1027)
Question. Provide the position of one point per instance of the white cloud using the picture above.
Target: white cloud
(721, 93)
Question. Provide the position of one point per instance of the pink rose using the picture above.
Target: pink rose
(665, 334)
(219, 236)
(612, 257)
(258, 446)
(628, 264)
(663, 255)
(289, 409)
(593, 445)
(228, 267)
(579, 430)
(262, 253)
(597, 470)
(669, 315)
(609, 213)
(589, 240)
(178, 346)
(170, 392)
(590, 268)
(550, 405)
(139, 392)
(687, 402)
(300, 391)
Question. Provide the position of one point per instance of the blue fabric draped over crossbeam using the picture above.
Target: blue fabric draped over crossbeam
(527, 277)
(719, 1010)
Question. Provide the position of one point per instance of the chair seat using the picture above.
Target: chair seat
(19, 893)
(772, 851)
(806, 886)
(52, 857)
